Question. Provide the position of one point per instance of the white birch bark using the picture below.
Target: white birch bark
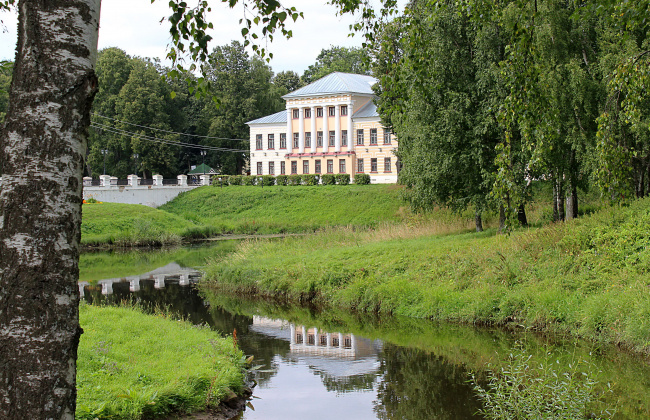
(42, 150)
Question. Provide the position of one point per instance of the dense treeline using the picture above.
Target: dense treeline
(487, 96)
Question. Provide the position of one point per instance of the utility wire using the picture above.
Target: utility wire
(165, 131)
(164, 141)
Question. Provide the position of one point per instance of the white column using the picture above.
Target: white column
(340, 340)
(326, 133)
(304, 336)
(289, 128)
(337, 128)
(313, 129)
(352, 136)
(301, 130)
(329, 340)
(316, 337)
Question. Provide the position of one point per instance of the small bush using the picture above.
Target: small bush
(295, 179)
(362, 179)
(342, 179)
(310, 179)
(268, 180)
(281, 180)
(235, 180)
(328, 179)
(222, 183)
(248, 180)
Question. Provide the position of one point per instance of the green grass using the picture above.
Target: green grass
(126, 371)
(282, 209)
(130, 224)
(589, 277)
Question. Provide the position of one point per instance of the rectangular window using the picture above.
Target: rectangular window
(373, 165)
(387, 165)
(341, 166)
(294, 167)
(386, 136)
(373, 136)
(258, 142)
(332, 138)
(295, 114)
(307, 113)
(360, 165)
(271, 141)
(282, 168)
(344, 110)
(360, 137)
(259, 168)
(319, 112)
(308, 139)
(319, 139)
(271, 168)
(344, 138)
(330, 166)
(296, 138)
(305, 167)
(283, 140)
(317, 166)
(330, 111)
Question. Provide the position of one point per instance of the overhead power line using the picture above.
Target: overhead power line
(119, 131)
(164, 131)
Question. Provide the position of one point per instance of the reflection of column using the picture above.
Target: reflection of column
(337, 128)
(107, 288)
(184, 280)
(326, 133)
(329, 340)
(313, 129)
(301, 130)
(316, 337)
(159, 281)
(340, 340)
(292, 328)
(304, 336)
(354, 343)
(81, 286)
(134, 284)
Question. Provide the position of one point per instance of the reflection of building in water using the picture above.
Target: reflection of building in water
(170, 273)
(343, 361)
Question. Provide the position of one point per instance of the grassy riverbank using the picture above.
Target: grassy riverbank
(589, 277)
(132, 365)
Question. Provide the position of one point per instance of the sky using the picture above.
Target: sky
(134, 26)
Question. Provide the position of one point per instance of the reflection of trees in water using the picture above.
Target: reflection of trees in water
(346, 384)
(419, 385)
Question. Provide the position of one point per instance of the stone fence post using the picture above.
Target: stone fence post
(182, 180)
(205, 179)
(158, 180)
(133, 180)
(105, 180)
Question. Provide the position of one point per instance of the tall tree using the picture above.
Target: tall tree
(342, 59)
(288, 81)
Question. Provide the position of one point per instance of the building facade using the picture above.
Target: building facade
(330, 126)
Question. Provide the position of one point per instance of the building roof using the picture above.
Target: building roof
(277, 118)
(202, 169)
(366, 111)
(336, 83)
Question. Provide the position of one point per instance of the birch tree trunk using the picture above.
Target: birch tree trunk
(42, 152)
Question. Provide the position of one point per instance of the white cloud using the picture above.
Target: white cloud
(135, 27)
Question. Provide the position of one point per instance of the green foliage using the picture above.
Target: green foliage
(6, 68)
(362, 179)
(525, 388)
(310, 179)
(125, 371)
(288, 81)
(268, 180)
(328, 179)
(221, 180)
(281, 180)
(342, 179)
(248, 180)
(294, 179)
(236, 180)
(337, 59)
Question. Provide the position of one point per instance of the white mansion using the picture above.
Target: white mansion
(330, 126)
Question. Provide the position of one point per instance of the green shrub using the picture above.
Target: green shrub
(281, 180)
(362, 179)
(310, 179)
(248, 180)
(342, 179)
(295, 179)
(268, 180)
(235, 180)
(222, 183)
(327, 179)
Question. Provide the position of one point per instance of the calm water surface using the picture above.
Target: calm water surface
(330, 364)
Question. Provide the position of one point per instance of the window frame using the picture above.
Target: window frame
(270, 141)
(360, 166)
(259, 141)
(373, 137)
(373, 165)
(307, 113)
(295, 114)
(294, 167)
(343, 110)
(387, 164)
(360, 139)
(305, 165)
(319, 139)
(307, 138)
(296, 141)
(330, 166)
(283, 140)
(342, 166)
(331, 111)
(283, 168)
(344, 138)
(331, 139)
(271, 168)
(317, 166)
(259, 168)
(319, 112)
(387, 136)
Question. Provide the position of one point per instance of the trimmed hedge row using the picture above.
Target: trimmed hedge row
(293, 179)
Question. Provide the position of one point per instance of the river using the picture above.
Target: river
(332, 364)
